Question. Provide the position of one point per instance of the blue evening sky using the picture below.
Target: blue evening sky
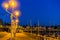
(46, 11)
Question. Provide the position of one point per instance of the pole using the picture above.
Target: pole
(38, 27)
(31, 26)
(11, 27)
(15, 27)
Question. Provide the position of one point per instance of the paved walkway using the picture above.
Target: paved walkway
(23, 36)
(19, 36)
(6, 37)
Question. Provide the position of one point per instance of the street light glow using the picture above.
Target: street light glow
(5, 5)
(13, 4)
(16, 13)
(17, 20)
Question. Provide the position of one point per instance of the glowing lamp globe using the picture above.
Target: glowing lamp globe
(17, 13)
(17, 20)
(5, 5)
(13, 4)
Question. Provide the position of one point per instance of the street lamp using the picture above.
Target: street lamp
(17, 20)
(13, 4)
(16, 23)
(5, 5)
(16, 13)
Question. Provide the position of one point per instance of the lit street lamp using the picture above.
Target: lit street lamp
(17, 20)
(5, 5)
(12, 4)
(16, 13)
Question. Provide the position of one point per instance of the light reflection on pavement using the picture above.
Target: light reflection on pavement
(19, 36)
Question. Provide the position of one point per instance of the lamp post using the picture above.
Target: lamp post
(16, 13)
(38, 28)
(12, 4)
